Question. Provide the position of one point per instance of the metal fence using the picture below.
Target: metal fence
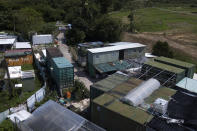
(30, 104)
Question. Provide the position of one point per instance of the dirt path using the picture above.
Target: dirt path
(79, 72)
(187, 44)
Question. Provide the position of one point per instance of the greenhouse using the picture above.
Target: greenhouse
(53, 117)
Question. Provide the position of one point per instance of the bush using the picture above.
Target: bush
(162, 49)
(80, 92)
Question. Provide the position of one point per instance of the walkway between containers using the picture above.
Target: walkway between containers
(79, 72)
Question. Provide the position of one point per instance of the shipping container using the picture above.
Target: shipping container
(190, 68)
(62, 72)
(18, 57)
(52, 52)
(162, 72)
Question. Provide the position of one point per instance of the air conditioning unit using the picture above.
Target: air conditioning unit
(160, 105)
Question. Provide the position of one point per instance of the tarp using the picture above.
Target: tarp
(3, 115)
(19, 116)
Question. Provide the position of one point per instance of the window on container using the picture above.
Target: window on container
(97, 56)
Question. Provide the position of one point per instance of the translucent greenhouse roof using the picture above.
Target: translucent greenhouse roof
(53, 117)
(188, 84)
(62, 62)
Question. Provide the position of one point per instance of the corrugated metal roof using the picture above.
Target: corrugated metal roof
(7, 41)
(175, 62)
(188, 84)
(42, 39)
(164, 67)
(12, 53)
(62, 62)
(22, 45)
(116, 47)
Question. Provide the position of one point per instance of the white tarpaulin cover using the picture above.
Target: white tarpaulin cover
(136, 96)
(40, 95)
(20, 116)
(3, 115)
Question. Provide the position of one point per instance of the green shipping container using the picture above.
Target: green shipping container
(62, 72)
(188, 67)
(153, 68)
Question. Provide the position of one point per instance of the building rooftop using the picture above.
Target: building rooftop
(116, 47)
(7, 41)
(111, 100)
(51, 116)
(54, 52)
(22, 45)
(110, 82)
(42, 39)
(188, 84)
(14, 53)
(175, 62)
(165, 67)
(62, 62)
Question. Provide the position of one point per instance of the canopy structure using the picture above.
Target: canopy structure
(53, 117)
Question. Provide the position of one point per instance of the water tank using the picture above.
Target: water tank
(136, 96)
(160, 105)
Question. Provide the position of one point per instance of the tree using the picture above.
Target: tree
(131, 18)
(108, 29)
(48, 28)
(162, 49)
(74, 36)
(28, 20)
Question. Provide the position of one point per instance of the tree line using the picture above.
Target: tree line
(89, 18)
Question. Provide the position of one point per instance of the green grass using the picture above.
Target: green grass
(154, 20)
(122, 15)
(6, 102)
(6, 125)
(27, 67)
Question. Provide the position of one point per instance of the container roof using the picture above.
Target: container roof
(188, 84)
(7, 41)
(54, 52)
(112, 66)
(14, 53)
(175, 62)
(62, 62)
(42, 39)
(111, 100)
(22, 45)
(116, 47)
(110, 82)
(165, 67)
(52, 116)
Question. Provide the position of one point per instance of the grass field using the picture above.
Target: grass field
(162, 19)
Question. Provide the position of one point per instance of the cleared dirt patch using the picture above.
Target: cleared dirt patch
(184, 42)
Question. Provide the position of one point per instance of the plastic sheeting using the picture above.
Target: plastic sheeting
(19, 116)
(37, 97)
(136, 96)
(3, 115)
(53, 117)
